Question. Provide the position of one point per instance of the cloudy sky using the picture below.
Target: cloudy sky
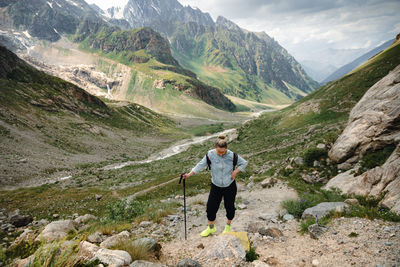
(329, 31)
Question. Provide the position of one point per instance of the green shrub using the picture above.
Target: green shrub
(137, 251)
(251, 255)
(312, 154)
(376, 158)
(122, 210)
(22, 250)
(296, 207)
(353, 234)
(371, 213)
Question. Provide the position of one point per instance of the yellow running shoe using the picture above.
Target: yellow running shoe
(227, 229)
(208, 231)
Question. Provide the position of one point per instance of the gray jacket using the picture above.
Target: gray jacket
(221, 167)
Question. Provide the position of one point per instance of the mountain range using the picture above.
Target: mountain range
(357, 62)
(240, 63)
(217, 55)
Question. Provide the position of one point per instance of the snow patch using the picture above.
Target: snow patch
(58, 4)
(50, 4)
(72, 2)
(56, 30)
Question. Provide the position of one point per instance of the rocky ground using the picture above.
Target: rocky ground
(277, 237)
(377, 243)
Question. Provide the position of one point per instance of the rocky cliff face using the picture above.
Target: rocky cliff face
(47, 19)
(99, 35)
(374, 123)
(141, 13)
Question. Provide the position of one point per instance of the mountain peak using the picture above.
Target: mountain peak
(224, 22)
(141, 13)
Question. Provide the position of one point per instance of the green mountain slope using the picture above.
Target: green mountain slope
(241, 63)
(148, 53)
(51, 125)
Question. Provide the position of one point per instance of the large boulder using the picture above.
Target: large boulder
(87, 250)
(114, 240)
(385, 178)
(114, 258)
(56, 230)
(373, 122)
(21, 220)
(224, 247)
(85, 218)
(323, 209)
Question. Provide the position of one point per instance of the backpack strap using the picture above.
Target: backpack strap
(208, 162)
(235, 160)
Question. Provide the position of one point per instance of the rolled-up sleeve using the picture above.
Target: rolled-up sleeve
(201, 165)
(242, 163)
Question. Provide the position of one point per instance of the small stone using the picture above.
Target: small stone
(242, 206)
(315, 263)
(316, 230)
(321, 146)
(273, 232)
(334, 233)
(288, 217)
(95, 238)
(316, 163)
(98, 197)
(56, 215)
(188, 263)
(246, 202)
(266, 216)
(23, 160)
(340, 242)
(388, 244)
(201, 246)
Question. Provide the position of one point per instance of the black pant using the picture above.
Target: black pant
(215, 198)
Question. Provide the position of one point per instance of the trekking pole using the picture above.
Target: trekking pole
(184, 199)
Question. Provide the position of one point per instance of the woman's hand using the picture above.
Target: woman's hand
(186, 175)
(234, 173)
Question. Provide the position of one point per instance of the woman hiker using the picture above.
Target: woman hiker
(223, 185)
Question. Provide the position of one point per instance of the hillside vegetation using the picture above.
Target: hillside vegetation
(45, 117)
(148, 53)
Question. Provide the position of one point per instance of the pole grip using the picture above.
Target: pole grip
(180, 180)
